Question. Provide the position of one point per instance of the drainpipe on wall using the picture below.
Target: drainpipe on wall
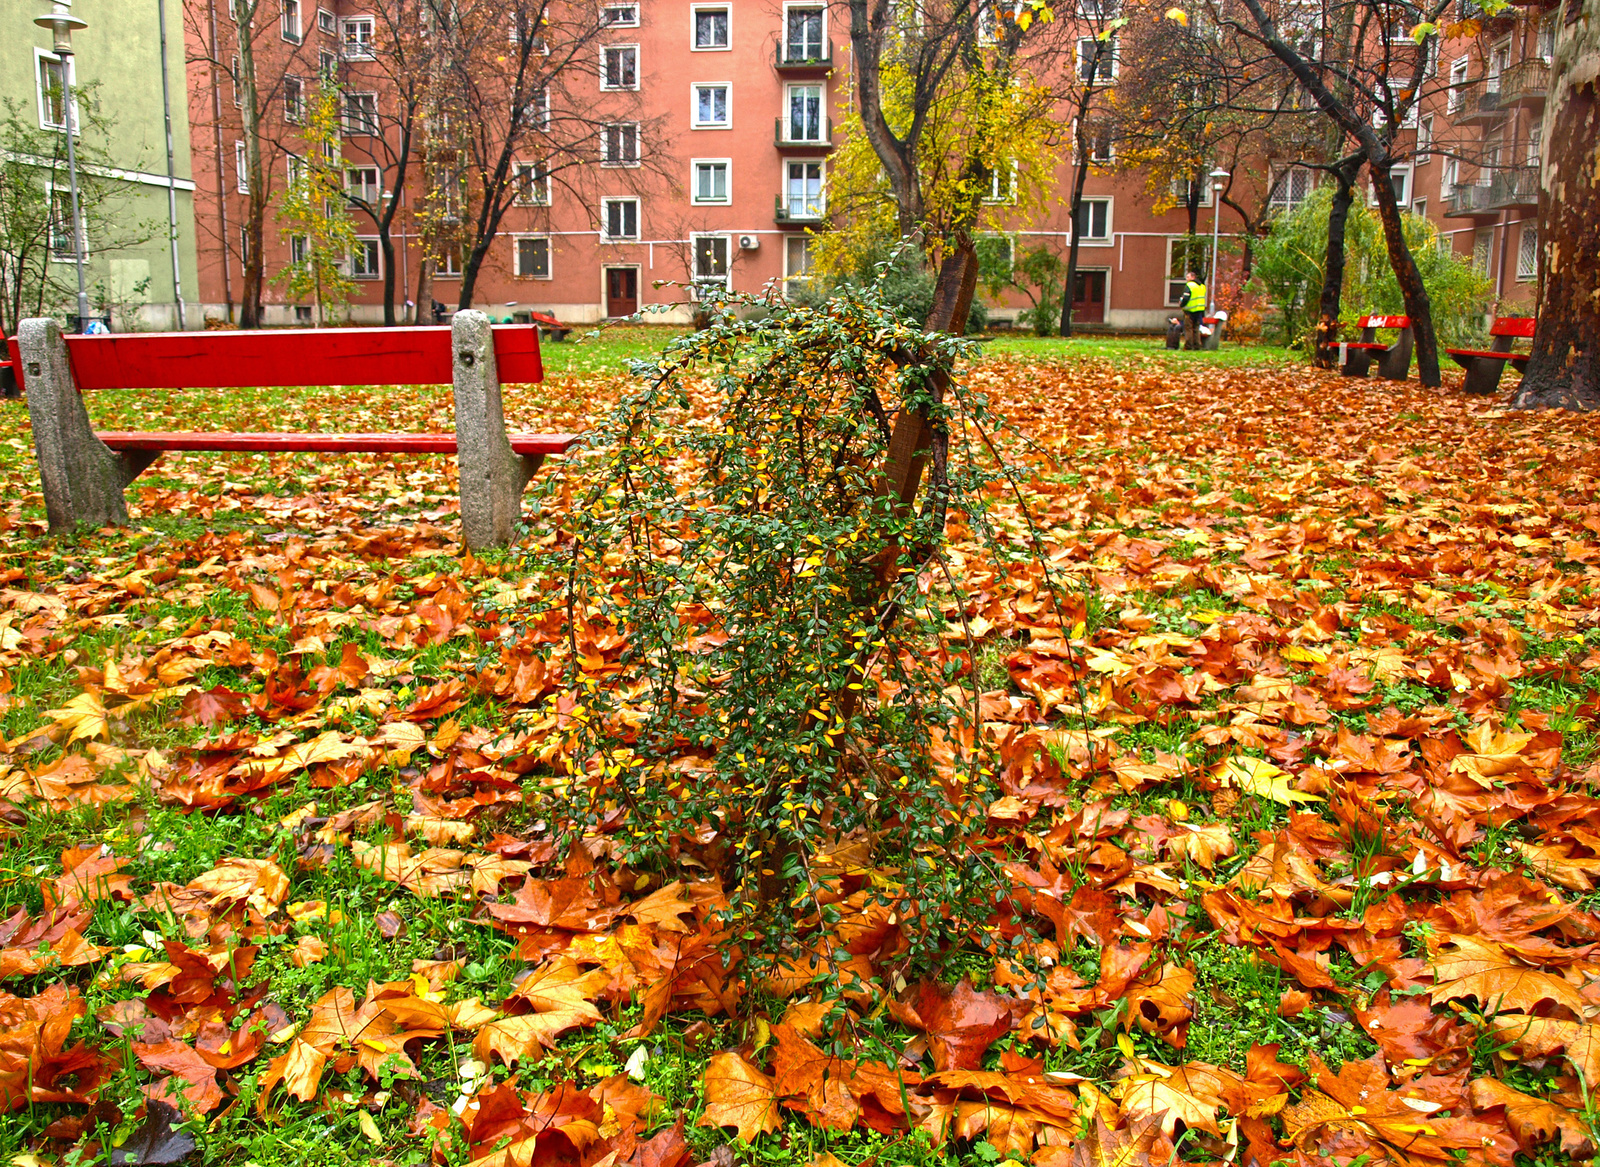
(222, 185)
(172, 180)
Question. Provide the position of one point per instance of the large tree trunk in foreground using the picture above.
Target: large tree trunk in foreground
(1327, 331)
(1418, 306)
(1564, 371)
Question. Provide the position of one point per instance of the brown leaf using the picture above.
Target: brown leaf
(740, 1096)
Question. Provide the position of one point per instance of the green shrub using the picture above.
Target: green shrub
(902, 284)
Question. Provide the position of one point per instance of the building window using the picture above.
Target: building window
(1291, 187)
(233, 80)
(710, 180)
(61, 243)
(541, 108)
(1185, 253)
(291, 21)
(325, 22)
(1102, 145)
(1528, 254)
(1002, 184)
(302, 313)
(711, 108)
(1535, 153)
(620, 218)
(1424, 139)
(805, 114)
(358, 39)
(1451, 176)
(1400, 183)
(361, 113)
(447, 263)
(295, 168)
(1420, 208)
(52, 80)
(1097, 9)
(1097, 60)
(1458, 82)
(802, 192)
(619, 67)
(1482, 249)
(619, 144)
(327, 64)
(711, 260)
(532, 184)
(797, 253)
(1182, 188)
(362, 184)
(620, 15)
(239, 171)
(710, 28)
(364, 262)
(802, 35)
(1093, 221)
(294, 100)
(244, 245)
(299, 248)
(532, 257)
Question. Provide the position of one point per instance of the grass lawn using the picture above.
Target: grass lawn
(280, 787)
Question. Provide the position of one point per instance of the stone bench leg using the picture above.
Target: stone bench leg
(492, 474)
(82, 476)
(1395, 363)
(1356, 362)
(1483, 375)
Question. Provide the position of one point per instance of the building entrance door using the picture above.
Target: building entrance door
(622, 291)
(1089, 298)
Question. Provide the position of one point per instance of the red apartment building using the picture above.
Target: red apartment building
(739, 107)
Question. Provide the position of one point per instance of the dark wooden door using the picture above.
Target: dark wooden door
(622, 291)
(1089, 298)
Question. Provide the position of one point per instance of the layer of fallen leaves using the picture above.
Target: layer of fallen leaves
(1360, 618)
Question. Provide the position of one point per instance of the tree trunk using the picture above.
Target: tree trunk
(424, 289)
(1418, 306)
(256, 208)
(1564, 370)
(1072, 249)
(1327, 329)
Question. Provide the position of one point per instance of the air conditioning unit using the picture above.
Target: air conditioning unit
(749, 243)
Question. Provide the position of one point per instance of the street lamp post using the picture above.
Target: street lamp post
(62, 23)
(1218, 178)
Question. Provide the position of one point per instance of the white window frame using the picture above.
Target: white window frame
(377, 255)
(453, 256)
(1483, 250)
(1419, 207)
(1424, 140)
(1099, 9)
(604, 49)
(787, 116)
(1459, 70)
(1287, 205)
(299, 35)
(1526, 274)
(694, 181)
(541, 105)
(1082, 60)
(294, 112)
(1002, 193)
(1173, 299)
(694, 14)
(1409, 186)
(1178, 194)
(299, 247)
(605, 219)
(293, 167)
(64, 193)
(606, 8)
(539, 197)
(783, 33)
(358, 48)
(326, 24)
(241, 178)
(726, 278)
(789, 276)
(39, 57)
(1096, 240)
(359, 190)
(516, 256)
(822, 188)
(694, 105)
(605, 146)
(361, 127)
(233, 82)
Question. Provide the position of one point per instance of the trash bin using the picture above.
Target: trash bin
(1211, 330)
(1174, 332)
(89, 325)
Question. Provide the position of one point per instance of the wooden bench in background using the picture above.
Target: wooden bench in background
(1394, 360)
(1484, 366)
(84, 473)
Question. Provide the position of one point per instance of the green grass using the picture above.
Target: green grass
(1136, 351)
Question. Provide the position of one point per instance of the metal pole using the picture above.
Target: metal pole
(172, 178)
(67, 56)
(1216, 217)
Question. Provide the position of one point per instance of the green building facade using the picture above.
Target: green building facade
(123, 167)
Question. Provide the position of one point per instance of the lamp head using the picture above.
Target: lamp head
(61, 21)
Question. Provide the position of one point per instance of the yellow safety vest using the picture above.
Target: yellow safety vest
(1197, 298)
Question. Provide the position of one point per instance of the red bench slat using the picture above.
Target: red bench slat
(280, 358)
(1384, 322)
(1513, 326)
(1493, 356)
(323, 443)
(1367, 344)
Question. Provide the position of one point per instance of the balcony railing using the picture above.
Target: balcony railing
(1466, 199)
(1478, 101)
(1517, 187)
(782, 139)
(797, 210)
(1525, 83)
(797, 58)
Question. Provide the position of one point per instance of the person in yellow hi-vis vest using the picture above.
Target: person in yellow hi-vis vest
(1194, 309)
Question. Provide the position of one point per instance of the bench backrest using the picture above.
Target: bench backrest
(1513, 326)
(1384, 322)
(283, 357)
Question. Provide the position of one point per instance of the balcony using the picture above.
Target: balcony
(781, 138)
(1467, 200)
(794, 212)
(1516, 187)
(793, 60)
(1476, 103)
(1525, 84)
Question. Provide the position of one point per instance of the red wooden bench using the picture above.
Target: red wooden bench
(1484, 366)
(8, 369)
(556, 330)
(84, 472)
(1394, 360)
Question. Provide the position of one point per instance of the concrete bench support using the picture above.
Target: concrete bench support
(82, 476)
(492, 475)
